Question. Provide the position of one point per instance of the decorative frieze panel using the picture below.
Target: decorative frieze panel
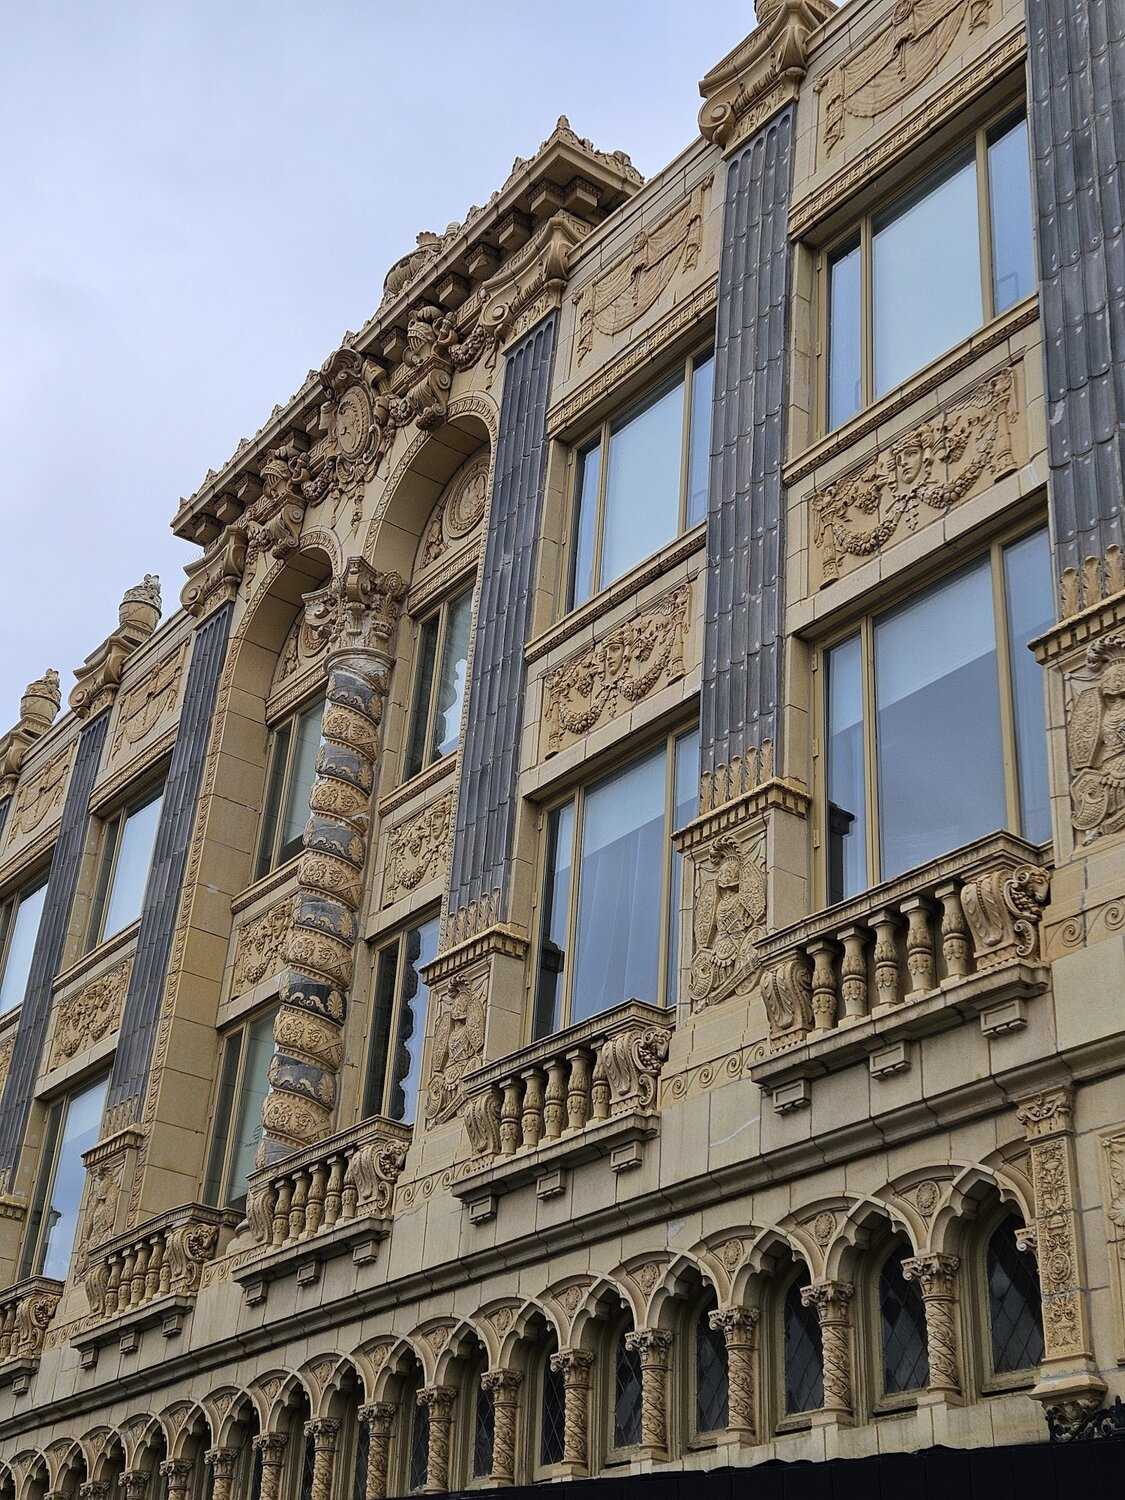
(762, 74)
(1095, 739)
(148, 705)
(418, 850)
(884, 70)
(632, 662)
(91, 1013)
(260, 947)
(40, 797)
(937, 464)
(457, 1044)
(26, 1312)
(728, 916)
(458, 515)
(621, 295)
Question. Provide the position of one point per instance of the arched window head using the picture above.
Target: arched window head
(804, 1359)
(902, 1323)
(711, 1388)
(626, 1394)
(1015, 1311)
(552, 1409)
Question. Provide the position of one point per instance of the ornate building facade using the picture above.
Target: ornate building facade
(592, 941)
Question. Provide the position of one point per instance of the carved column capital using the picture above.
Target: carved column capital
(380, 1419)
(222, 1463)
(94, 1489)
(1047, 1113)
(833, 1303)
(134, 1483)
(936, 1275)
(438, 1401)
(739, 1327)
(379, 1416)
(502, 1384)
(325, 1432)
(575, 1365)
(504, 1387)
(176, 1472)
(653, 1345)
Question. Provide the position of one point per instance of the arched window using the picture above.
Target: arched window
(1015, 1312)
(902, 1323)
(418, 1452)
(552, 1408)
(625, 1415)
(484, 1426)
(803, 1359)
(711, 1406)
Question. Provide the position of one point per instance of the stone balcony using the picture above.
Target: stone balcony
(148, 1277)
(326, 1200)
(586, 1092)
(26, 1310)
(954, 939)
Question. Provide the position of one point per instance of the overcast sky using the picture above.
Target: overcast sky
(202, 196)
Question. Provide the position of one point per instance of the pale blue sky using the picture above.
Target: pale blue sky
(201, 197)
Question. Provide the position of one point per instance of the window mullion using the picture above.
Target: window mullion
(867, 310)
(286, 782)
(232, 1123)
(870, 750)
(685, 439)
(1004, 672)
(599, 510)
(394, 1020)
(572, 914)
(666, 876)
(428, 756)
(984, 227)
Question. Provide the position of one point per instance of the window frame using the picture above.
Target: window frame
(577, 795)
(34, 1249)
(991, 1383)
(622, 1453)
(9, 908)
(908, 590)
(291, 718)
(601, 433)
(241, 1028)
(113, 828)
(394, 937)
(884, 1402)
(860, 232)
(539, 1362)
(705, 1301)
(440, 610)
(785, 1421)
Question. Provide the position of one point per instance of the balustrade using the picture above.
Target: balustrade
(26, 1310)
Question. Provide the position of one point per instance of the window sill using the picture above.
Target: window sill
(267, 885)
(93, 958)
(419, 783)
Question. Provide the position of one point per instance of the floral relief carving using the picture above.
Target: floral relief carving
(625, 667)
(936, 464)
(1095, 737)
(143, 706)
(1113, 1163)
(460, 511)
(93, 1012)
(728, 919)
(259, 951)
(417, 850)
(1046, 1118)
(883, 71)
(40, 796)
(458, 1044)
(627, 290)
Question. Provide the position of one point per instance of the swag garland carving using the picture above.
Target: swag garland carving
(729, 918)
(93, 1012)
(144, 706)
(417, 850)
(40, 797)
(937, 464)
(883, 71)
(622, 669)
(260, 948)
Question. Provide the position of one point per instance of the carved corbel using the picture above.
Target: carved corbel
(763, 73)
(373, 1170)
(38, 709)
(100, 674)
(628, 1068)
(529, 285)
(1004, 907)
(214, 578)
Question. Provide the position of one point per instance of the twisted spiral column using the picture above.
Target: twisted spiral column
(653, 1345)
(574, 1366)
(325, 1432)
(833, 1303)
(222, 1463)
(739, 1327)
(936, 1276)
(438, 1400)
(270, 1447)
(504, 1386)
(380, 1419)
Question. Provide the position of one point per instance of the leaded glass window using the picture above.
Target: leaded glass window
(804, 1362)
(359, 1472)
(902, 1316)
(1015, 1311)
(711, 1404)
(419, 1447)
(308, 1465)
(626, 1396)
(552, 1414)
(484, 1428)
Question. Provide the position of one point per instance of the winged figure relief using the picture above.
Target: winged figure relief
(729, 919)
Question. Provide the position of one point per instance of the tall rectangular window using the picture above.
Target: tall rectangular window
(642, 479)
(289, 783)
(398, 1023)
(127, 843)
(934, 731)
(609, 908)
(19, 927)
(440, 674)
(237, 1129)
(924, 272)
(73, 1126)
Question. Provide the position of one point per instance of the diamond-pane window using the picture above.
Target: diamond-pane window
(626, 1397)
(711, 1414)
(308, 1464)
(552, 1416)
(804, 1361)
(906, 1364)
(419, 1447)
(359, 1471)
(484, 1428)
(1014, 1304)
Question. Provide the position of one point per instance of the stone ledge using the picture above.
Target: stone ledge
(305, 1259)
(169, 1314)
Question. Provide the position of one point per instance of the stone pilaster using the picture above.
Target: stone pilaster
(936, 1276)
(357, 614)
(504, 1386)
(575, 1366)
(379, 1417)
(222, 1462)
(438, 1401)
(176, 1472)
(325, 1434)
(1069, 1386)
(739, 1327)
(270, 1448)
(833, 1303)
(654, 1346)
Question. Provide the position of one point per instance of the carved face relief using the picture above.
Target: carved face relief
(459, 512)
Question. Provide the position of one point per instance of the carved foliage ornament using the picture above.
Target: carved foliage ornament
(937, 464)
(93, 1012)
(417, 850)
(623, 668)
(1095, 735)
(38, 708)
(728, 919)
(883, 71)
(458, 1044)
(100, 674)
(260, 947)
(459, 512)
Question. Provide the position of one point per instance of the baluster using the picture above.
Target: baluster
(554, 1103)
(125, 1292)
(112, 1285)
(333, 1192)
(853, 973)
(954, 933)
(823, 953)
(314, 1213)
(349, 1196)
(7, 1318)
(532, 1118)
(281, 1212)
(165, 1268)
(297, 1205)
(578, 1090)
(885, 923)
(919, 944)
(599, 1093)
(155, 1261)
(510, 1117)
(140, 1274)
